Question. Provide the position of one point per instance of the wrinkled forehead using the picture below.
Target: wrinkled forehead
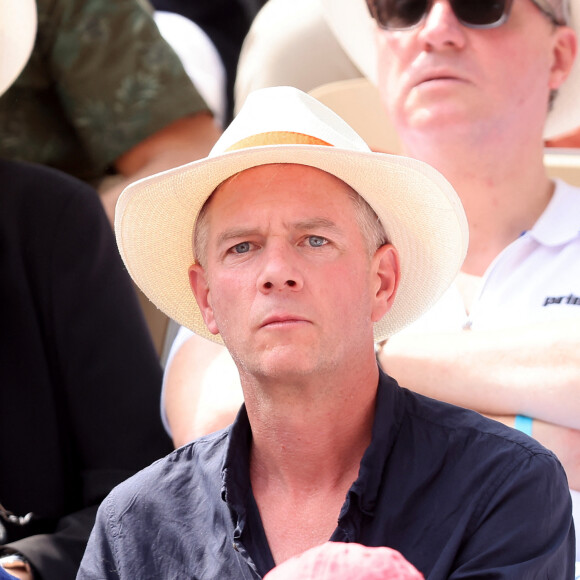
(284, 173)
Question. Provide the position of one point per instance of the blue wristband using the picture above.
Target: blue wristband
(523, 424)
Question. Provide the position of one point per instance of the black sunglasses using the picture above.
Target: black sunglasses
(406, 14)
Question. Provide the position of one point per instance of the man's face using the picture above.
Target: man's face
(288, 280)
(443, 76)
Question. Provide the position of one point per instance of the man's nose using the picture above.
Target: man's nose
(441, 28)
(280, 270)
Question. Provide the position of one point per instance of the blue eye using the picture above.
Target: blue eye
(241, 248)
(317, 241)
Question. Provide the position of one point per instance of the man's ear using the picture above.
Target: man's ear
(565, 49)
(200, 288)
(386, 274)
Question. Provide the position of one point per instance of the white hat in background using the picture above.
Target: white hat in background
(17, 35)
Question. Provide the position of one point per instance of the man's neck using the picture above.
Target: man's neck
(502, 184)
(310, 432)
(306, 454)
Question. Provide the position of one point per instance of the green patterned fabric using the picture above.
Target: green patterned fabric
(101, 79)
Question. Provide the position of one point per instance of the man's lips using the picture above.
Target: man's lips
(280, 320)
(435, 76)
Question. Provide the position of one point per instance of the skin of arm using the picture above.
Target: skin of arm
(185, 140)
(202, 390)
(532, 370)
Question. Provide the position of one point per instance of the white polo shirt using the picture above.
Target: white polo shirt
(536, 278)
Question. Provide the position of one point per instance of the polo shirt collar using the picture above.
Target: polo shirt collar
(560, 222)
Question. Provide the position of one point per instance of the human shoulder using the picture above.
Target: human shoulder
(464, 427)
(35, 197)
(484, 462)
(158, 522)
(174, 476)
(452, 441)
(34, 180)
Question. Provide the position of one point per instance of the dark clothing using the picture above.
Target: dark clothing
(459, 495)
(79, 377)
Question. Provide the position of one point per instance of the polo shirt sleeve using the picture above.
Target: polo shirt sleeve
(116, 77)
(517, 535)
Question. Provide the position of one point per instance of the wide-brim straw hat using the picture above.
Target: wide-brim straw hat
(355, 29)
(420, 211)
(18, 23)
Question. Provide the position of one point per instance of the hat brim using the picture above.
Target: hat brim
(18, 21)
(419, 209)
(355, 30)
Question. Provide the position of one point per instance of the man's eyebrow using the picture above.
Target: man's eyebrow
(237, 233)
(316, 223)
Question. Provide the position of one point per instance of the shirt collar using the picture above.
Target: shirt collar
(236, 468)
(559, 223)
(387, 422)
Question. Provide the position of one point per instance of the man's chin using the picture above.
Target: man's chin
(283, 361)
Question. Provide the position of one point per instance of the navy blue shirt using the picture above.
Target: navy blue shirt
(458, 495)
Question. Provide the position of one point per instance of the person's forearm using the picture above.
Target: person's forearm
(532, 371)
(185, 140)
(58, 554)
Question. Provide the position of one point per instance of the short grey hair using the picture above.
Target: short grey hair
(561, 10)
(368, 221)
(558, 9)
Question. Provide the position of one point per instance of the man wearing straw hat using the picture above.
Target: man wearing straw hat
(298, 248)
(486, 136)
(475, 94)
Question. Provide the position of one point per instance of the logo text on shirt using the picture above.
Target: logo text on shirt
(570, 299)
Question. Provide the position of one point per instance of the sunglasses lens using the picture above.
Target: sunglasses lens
(403, 14)
(398, 14)
(479, 12)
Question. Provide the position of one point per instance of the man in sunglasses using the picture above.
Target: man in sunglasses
(303, 249)
(473, 88)
(392, 15)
